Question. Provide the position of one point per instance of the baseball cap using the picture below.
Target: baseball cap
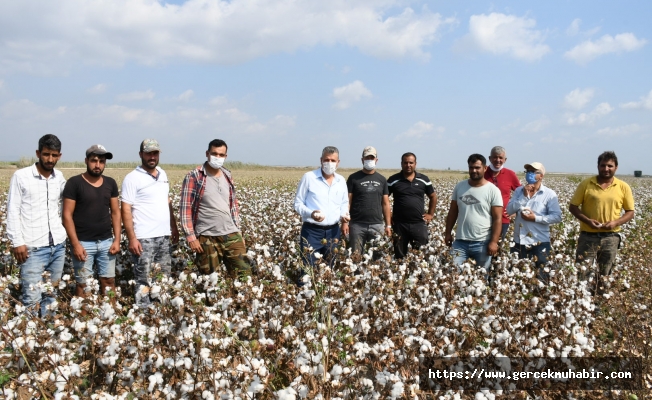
(536, 165)
(99, 150)
(369, 151)
(150, 145)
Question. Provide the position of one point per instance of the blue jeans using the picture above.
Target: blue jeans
(314, 236)
(540, 251)
(96, 252)
(462, 250)
(41, 259)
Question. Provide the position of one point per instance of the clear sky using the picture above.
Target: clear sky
(555, 81)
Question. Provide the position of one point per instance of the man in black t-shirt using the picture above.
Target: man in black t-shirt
(368, 203)
(409, 222)
(91, 216)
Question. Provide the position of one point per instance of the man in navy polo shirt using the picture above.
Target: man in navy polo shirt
(409, 222)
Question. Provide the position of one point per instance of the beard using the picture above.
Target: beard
(146, 163)
(46, 167)
(93, 173)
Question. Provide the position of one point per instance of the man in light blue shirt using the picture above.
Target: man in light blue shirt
(536, 207)
(322, 200)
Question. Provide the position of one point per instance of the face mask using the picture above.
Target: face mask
(531, 177)
(494, 168)
(329, 167)
(216, 162)
(369, 165)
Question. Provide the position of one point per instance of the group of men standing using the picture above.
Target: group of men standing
(481, 209)
(91, 218)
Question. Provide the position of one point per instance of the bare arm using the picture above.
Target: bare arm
(577, 213)
(451, 218)
(128, 223)
(387, 215)
(625, 218)
(78, 250)
(116, 222)
(496, 228)
(173, 224)
(432, 204)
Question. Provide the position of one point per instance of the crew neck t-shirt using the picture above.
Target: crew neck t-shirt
(474, 205)
(409, 201)
(92, 215)
(148, 196)
(367, 191)
(214, 217)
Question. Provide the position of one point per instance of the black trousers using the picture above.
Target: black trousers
(414, 233)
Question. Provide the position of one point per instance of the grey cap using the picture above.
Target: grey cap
(99, 150)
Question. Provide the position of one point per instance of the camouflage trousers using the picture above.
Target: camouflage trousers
(228, 250)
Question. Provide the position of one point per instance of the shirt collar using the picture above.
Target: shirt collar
(37, 174)
(594, 180)
(141, 169)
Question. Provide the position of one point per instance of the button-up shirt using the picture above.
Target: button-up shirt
(314, 193)
(545, 205)
(192, 192)
(34, 208)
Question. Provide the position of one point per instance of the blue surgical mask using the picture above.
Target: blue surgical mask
(531, 177)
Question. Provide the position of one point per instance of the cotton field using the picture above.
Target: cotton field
(358, 330)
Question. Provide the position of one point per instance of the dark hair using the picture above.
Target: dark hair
(217, 143)
(408, 154)
(50, 141)
(607, 156)
(474, 158)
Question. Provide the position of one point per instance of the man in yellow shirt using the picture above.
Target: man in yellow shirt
(598, 203)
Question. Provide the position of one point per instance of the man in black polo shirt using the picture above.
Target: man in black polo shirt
(409, 222)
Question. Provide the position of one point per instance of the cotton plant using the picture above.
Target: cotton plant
(358, 329)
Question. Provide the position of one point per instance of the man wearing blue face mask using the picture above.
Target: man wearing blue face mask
(210, 217)
(371, 213)
(536, 207)
(322, 201)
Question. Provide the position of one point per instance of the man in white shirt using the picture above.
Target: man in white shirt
(148, 218)
(322, 200)
(536, 207)
(34, 226)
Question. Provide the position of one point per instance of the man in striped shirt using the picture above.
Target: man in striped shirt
(210, 218)
(34, 226)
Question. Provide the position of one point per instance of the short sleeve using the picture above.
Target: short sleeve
(70, 190)
(454, 194)
(578, 196)
(114, 188)
(628, 200)
(385, 188)
(496, 197)
(128, 190)
(349, 184)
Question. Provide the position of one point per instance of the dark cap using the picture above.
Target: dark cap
(99, 150)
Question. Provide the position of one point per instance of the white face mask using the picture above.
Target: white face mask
(329, 167)
(494, 168)
(369, 165)
(216, 162)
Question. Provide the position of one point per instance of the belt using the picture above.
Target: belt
(324, 227)
(599, 234)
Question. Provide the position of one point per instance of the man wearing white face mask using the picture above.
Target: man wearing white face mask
(371, 214)
(210, 216)
(322, 201)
